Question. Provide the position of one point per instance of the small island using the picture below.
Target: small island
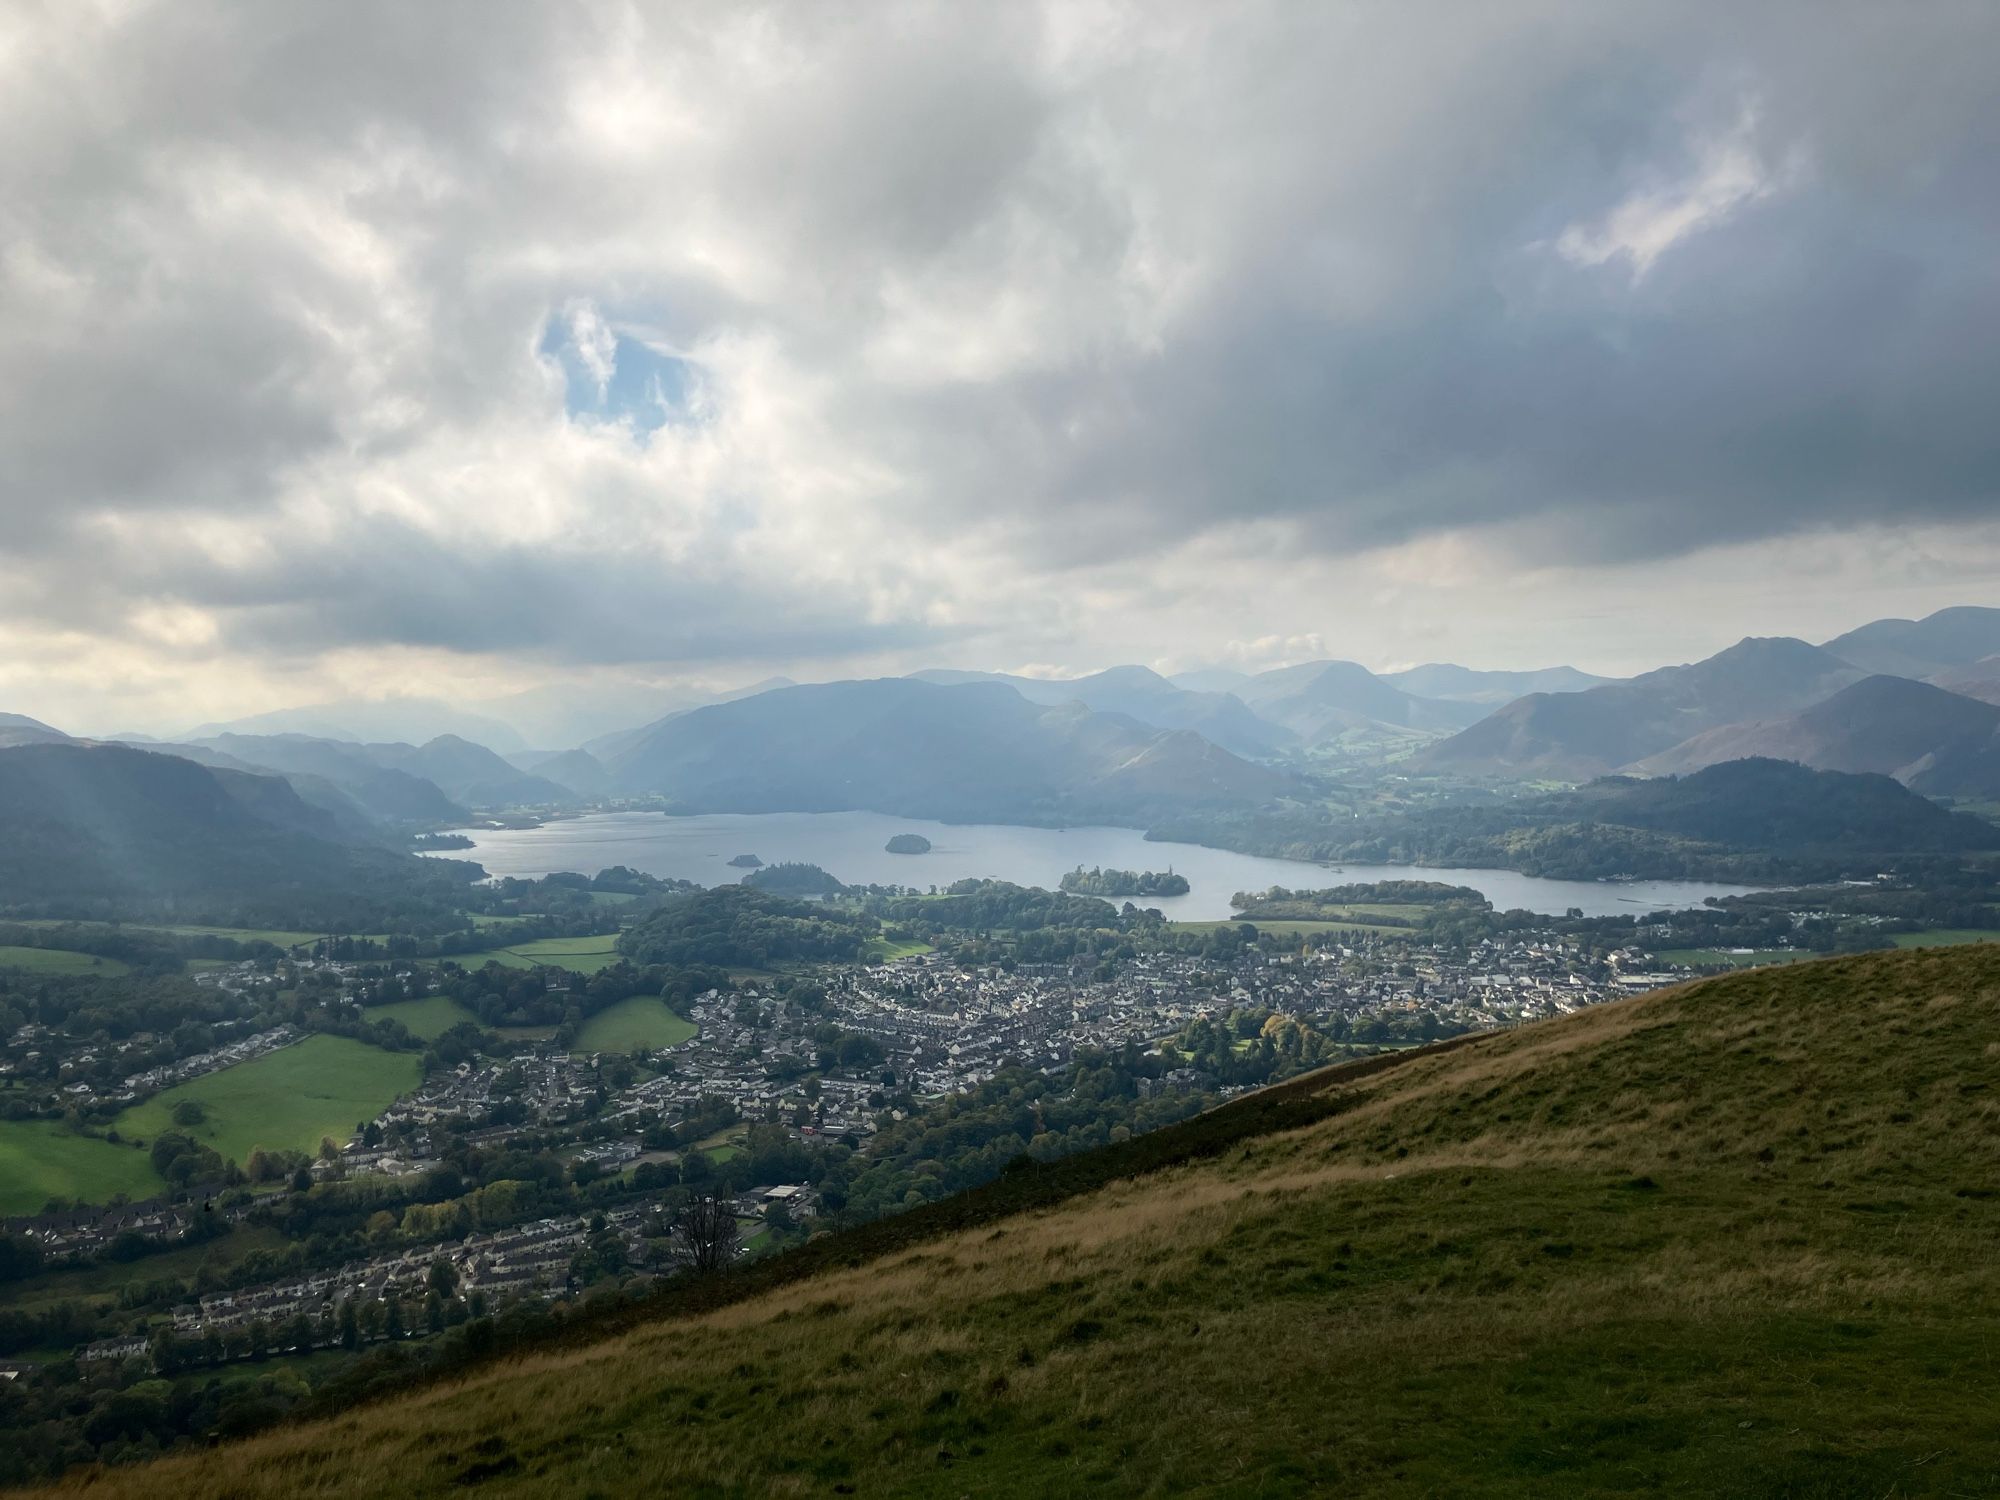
(1116, 883)
(746, 862)
(908, 843)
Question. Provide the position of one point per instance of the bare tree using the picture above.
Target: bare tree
(705, 1230)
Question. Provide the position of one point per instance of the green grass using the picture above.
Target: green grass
(429, 1017)
(1731, 1238)
(882, 950)
(40, 1160)
(286, 1100)
(641, 1021)
(1722, 958)
(58, 961)
(1945, 937)
(581, 955)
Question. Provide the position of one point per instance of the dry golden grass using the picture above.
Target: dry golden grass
(1733, 1238)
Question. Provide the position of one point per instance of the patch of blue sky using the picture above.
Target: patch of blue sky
(611, 376)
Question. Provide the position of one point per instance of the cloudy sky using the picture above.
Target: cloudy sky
(459, 348)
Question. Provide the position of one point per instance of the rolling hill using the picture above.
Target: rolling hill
(1575, 736)
(968, 752)
(1142, 694)
(1464, 685)
(388, 794)
(1729, 1238)
(106, 829)
(1934, 741)
(19, 729)
(1319, 701)
(1951, 638)
(468, 772)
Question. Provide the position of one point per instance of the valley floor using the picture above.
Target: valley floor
(1733, 1238)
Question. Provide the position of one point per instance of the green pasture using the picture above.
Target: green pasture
(42, 1159)
(429, 1017)
(58, 961)
(579, 955)
(285, 1100)
(1945, 937)
(641, 1021)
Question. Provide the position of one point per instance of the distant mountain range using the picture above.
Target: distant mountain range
(1914, 699)
(1856, 703)
(1575, 736)
(967, 752)
(1463, 685)
(395, 719)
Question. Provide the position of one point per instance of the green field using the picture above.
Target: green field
(881, 950)
(282, 938)
(581, 955)
(286, 1100)
(41, 1159)
(1945, 937)
(59, 961)
(642, 1021)
(431, 1016)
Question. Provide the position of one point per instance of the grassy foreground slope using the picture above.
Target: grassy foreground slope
(1735, 1238)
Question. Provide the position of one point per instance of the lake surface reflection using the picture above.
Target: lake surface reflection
(849, 844)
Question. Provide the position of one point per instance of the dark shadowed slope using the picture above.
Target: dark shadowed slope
(392, 795)
(1733, 1238)
(104, 829)
(1928, 738)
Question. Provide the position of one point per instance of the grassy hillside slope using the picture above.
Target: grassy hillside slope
(1732, 1238)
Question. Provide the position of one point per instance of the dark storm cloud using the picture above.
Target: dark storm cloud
(1081, 282)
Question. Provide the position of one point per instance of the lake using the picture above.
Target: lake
(849, 845)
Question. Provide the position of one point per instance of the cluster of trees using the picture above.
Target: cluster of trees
(1020, 1112)
(739, 926)
(998, 905)
(794, 879)
(1118, 883)
(1752, 820)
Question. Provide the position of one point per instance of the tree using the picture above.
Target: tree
(350, 1325)
(705, 1231)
